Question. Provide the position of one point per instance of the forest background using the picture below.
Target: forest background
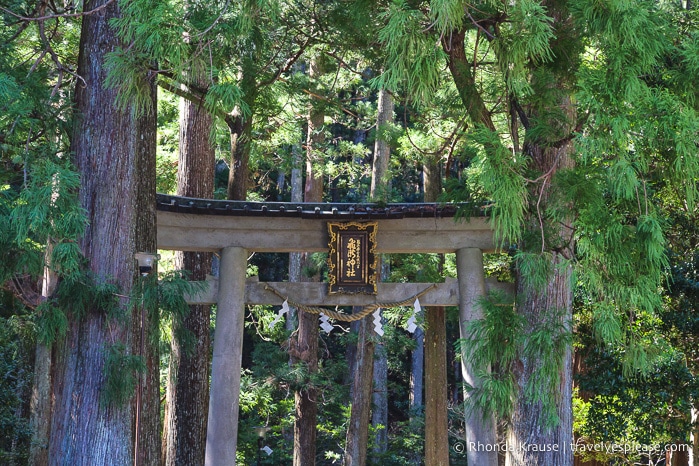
(574, 123)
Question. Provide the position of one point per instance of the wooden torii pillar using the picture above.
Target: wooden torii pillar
(182, 226)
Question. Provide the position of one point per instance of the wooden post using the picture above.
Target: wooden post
(436, 422)
(222, 427)
(480, 432)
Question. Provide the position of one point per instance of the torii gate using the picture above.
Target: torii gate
(236, 228)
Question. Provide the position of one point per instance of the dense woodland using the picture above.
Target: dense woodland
(573, 123)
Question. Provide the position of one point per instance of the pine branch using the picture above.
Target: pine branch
(287, 65)
(59, 15)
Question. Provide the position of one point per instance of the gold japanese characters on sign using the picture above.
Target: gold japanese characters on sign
(352, 260)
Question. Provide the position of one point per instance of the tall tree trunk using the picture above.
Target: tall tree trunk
(358, 428)
(40, 402)
(306, 352)
(417, 371)
(436, 423)
(539, 306)
(305, 348)
(188, 382)
(380, 184)
(147, 323)
(316, 118)
(240, 130)
(527, 427)
(380, 190)
(295, 257)
(85, 430)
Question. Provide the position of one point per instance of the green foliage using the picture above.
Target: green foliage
(47, 210)
(535, 269)
(496, 171)
(548, 342)
(413, 58)
(121, 373)
(169, 296)
(85, 293)
(498, 342)
(494, 342)
(16, 353)
(51, 323)
(647, 410)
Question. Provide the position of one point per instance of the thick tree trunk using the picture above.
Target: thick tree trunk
(240, 129)
(554, 301)
(188, 381)
(432, 179)
(85, 430)
(358, 428)
(147, 323)
(527, 433)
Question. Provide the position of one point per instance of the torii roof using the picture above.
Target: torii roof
(327, 211)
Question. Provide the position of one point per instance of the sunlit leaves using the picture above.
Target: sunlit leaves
(494, 341)
(497, 171)
(414, 57)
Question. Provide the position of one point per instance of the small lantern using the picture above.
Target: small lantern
(146, 261)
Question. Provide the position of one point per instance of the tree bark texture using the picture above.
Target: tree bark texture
(417, 370)
(188, 382)
(554, 301)
(358, 428)
(432, 179)
(436, 423)
(314, 142)
(306, 348)
(240, 129)
(40, 401)
(527, 427)
(380, 184)
(379, 415)
(295, 257)
(83, 430)
(147, 322)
